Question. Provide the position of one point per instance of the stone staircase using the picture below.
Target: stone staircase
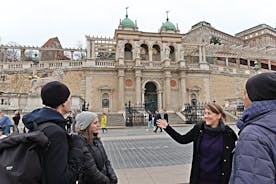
(231, 118)
(114, 119)
(117, 119)
(175, 119)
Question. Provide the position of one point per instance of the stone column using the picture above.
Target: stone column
(202, 58)
(138, 91)
(150, 55)
(200, 54)
(182, 90)
(269, 64)
(159, 93)
(167, 89)
(88, 43)
(121, 89)
(248, 63)
(226, 62)
(93, 47)
(22, 55)
(238, 62)
(204, 54)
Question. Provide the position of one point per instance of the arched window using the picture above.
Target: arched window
(172, 53)
(144, 53)
(156, 53)
(128, 51)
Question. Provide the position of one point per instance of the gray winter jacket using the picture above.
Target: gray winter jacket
(254, 160)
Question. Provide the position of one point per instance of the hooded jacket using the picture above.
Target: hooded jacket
(255, 155)
(57, 169)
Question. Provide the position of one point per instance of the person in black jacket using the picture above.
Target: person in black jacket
(61, 160)
(16, 118)
(157, 116)
(101, 172)
(213, 143)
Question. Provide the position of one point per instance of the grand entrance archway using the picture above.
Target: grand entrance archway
(150, 97)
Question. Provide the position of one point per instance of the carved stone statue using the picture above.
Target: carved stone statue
(167, 52)
(37, 83)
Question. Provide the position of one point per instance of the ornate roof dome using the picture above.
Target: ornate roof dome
(168, 26)
(127, 23)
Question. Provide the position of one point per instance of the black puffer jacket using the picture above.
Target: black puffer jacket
(99, 169)
(194, 135)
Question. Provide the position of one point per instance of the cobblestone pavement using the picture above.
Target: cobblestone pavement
(149, 152)
(140, 156)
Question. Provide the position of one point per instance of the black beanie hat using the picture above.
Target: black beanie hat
(54, 94)
(262, 87)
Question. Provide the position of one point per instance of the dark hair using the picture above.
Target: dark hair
(215, 108)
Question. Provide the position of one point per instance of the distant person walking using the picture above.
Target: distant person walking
(157, 117)
(213, 143)
(254, 160)
(16, 118)
(149, 120)
(104, 122)
(5, 123)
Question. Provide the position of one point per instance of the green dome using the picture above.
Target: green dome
(127, 23)
(168, 26)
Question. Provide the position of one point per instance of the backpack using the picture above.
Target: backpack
(21, 160)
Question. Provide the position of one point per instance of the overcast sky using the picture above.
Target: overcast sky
(33, 22)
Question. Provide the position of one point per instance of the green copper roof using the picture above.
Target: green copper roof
(127, 23)
(168, 26)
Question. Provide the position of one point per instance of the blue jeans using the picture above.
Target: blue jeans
(149, 124)
(6, 129)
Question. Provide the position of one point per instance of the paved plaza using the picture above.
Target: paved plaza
(140, 156)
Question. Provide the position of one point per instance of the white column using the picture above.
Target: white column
(159, 100)
(226, 62)
(121, 95)
(182, 90)
(138, 86)
(204, 54)
(88, 43)
(93, 49)
(167, 89)
(269, 64)
(200, 53)
(248, 63)
(150, 54)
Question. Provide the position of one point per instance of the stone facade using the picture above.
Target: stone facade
(163, 70)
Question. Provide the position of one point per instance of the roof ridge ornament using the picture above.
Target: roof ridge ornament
(127, 12)
(167, 12)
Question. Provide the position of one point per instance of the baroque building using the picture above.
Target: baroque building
(157, 70)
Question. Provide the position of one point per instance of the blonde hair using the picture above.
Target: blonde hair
(215, 108)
